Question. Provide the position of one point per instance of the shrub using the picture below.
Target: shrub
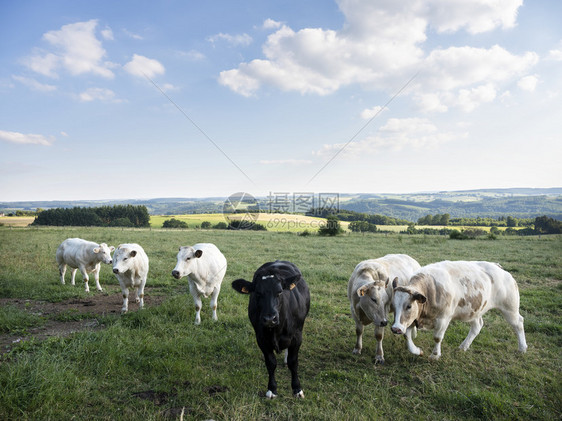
(205, 224)
(174, 223)
(457, 235)
(332, 227)
(220, 226)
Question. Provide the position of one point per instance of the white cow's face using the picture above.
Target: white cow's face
(103, 253)
(374, 301)
(186, 260)
(407, 304)
(123, 260)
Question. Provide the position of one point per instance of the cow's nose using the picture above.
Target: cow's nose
(384, 323)
(176, 274)
(396, 330)
(115, 270)
(111, 262)
(270, 321)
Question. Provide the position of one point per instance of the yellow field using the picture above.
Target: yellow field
(16, 221)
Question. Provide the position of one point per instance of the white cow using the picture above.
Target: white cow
(461, 290)
(84, 255)
(370, 294)
(205, 267)
(130, 266)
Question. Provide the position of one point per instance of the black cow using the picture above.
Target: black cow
(279, 303)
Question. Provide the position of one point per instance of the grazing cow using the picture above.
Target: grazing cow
(130, 266)
(84, 255)
(279, 303)
(205, 267)
(370, 294)
(465, 291)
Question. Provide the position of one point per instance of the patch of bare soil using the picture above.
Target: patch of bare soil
(56, 313)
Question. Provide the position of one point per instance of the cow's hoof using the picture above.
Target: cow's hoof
(123, 310)
(299, 395)
(356, 351)
(434, 357)
(379, 360)
(270, 395)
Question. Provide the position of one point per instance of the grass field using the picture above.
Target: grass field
(152, 364)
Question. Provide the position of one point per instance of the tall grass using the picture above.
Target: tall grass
(154, 363)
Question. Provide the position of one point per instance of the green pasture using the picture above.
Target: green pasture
(154, 364)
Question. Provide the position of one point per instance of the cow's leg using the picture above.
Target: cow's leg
(196, 301)
(475, 326)
(441, 326)
(516, 321)
(293, 364)
(62, 271)
(271, 365)
(379, 335)
(73, 275)
(411, 332)
(85, 277)
(125, 292)
(214, 297)
(359, 333)
(140, 294)
(97, 276)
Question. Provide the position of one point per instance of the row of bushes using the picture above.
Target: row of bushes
(236, 225)
(103, 216)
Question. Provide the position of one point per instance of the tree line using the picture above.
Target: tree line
(103, 216)
(502, 221)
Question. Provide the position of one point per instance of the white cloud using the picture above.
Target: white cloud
(34, 84)
(239, 39)
(133, 35)
(192, 55)
(285, 162)
(555, 54)
(77, 50)
(99, 94)
(31, 139)
(528, 83)
(107, 33)
(469, 99)
(271, 24)
(369, 113)
(64, 134)
(377, 56)
(143, 66)
(396, 135)
(476, 16)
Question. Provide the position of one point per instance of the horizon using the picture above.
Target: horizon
(101, 101)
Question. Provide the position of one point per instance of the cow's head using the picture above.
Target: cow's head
(123, 259)
(407, 302)
(374, 300)
(103, 253)
(267, 291)
(186, 260)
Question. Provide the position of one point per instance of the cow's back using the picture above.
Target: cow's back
(212, 260)
(72, 250)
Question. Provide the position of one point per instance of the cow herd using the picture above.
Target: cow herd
(427, 297)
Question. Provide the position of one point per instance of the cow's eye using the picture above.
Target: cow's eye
(408, 307)
(374, 300)
(188, 258)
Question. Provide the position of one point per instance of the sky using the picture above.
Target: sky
(144, 99)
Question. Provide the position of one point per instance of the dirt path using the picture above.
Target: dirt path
(56, 313)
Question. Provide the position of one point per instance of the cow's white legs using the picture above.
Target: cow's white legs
(214, 297)
(359, 342)
(441, 326)
(97, 276)
(85, 276)
(125, 307)
(475, 326)
(411, 331)
(62, 271)
(140, 294)
(379, 335)
(73, 275)
(196, 301)
(516, 322)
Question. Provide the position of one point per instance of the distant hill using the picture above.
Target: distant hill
(516, 202)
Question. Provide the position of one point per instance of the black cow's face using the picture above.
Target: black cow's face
(266, 296)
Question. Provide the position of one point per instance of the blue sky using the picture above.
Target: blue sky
(144, 99)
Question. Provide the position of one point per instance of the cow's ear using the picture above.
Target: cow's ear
(419, 297)
(363, 290)
(395, 283)
(198, 253)
(290, 283)
(133, 253)
(243, 286)
(111, 248)
(97, 250)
